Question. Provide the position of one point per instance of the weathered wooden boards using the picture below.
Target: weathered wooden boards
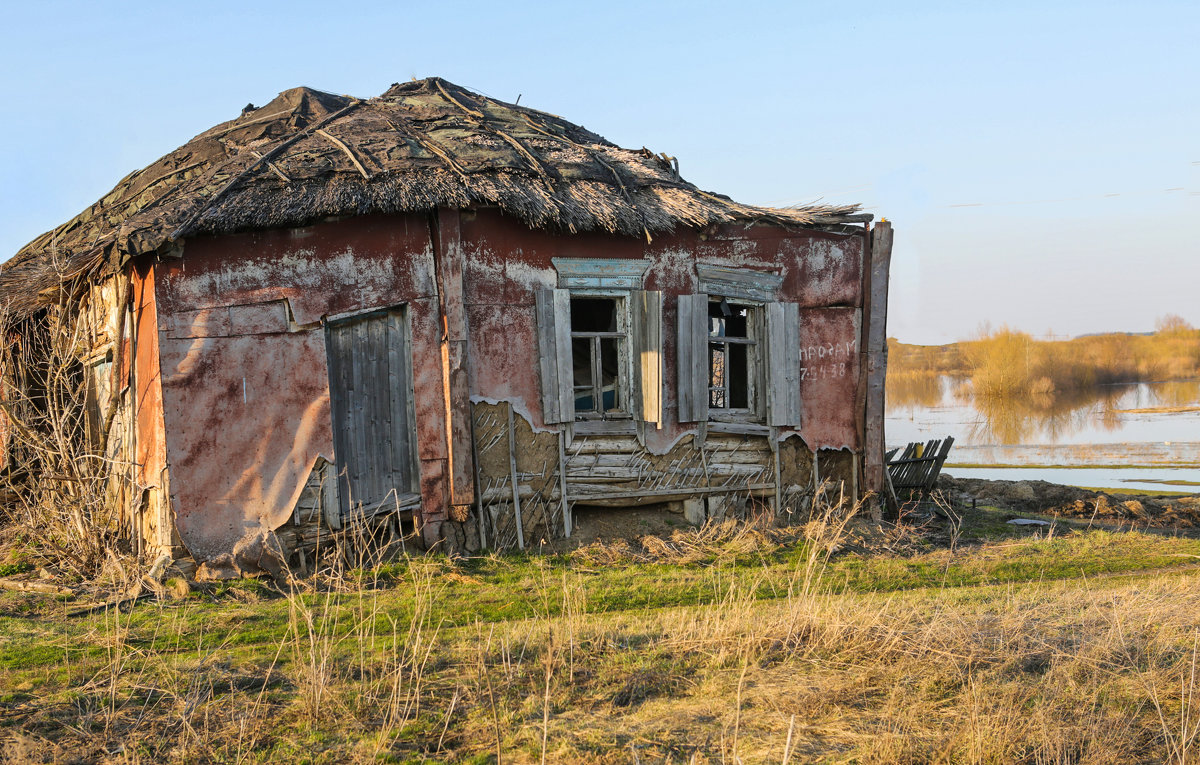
(616, 471)
(918, 467)
(369, 398)
(876, 355)
(455, 372)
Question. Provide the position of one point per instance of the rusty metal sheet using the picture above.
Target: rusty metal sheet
(261, 319)
(206, 322)
(247, 414)
(246, 396)
(323, 270)
(829, 377)
(150, 444)
(819, 268)
(246, 418)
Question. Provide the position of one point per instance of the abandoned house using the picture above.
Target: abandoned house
(468, 316)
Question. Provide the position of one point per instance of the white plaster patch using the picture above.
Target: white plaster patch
(529, 276)
(675, 267)
(823, 256)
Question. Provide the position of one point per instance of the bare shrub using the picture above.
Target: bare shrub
(60, 490)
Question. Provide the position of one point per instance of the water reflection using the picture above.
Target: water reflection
(1177, 393)
(914, 389)
(1041, 417)
(931, 405)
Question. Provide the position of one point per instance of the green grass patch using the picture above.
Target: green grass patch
(11, 569)
(1084, 466)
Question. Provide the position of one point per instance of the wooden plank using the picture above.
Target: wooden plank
(681, 492)
(778, 477)
(738, 282)
(335, 346)
(563, 357)
(548, 356)
(692, 357)
(378, 441)
(358, 415)
(455, 357)
(738, 428)
(783, 364)
(562, 477)
(605, 445)
(512, 473)
(605, 427)
(646, 333)
(399, 369)
(876, 357)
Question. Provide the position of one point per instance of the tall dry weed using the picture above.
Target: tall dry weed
(61, 484)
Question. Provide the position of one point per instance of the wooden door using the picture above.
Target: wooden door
(370, 393)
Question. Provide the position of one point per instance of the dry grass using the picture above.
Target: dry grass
(62, 487)
(352, 671)
(714, 542)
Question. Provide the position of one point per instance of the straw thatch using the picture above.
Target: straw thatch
(308, 155)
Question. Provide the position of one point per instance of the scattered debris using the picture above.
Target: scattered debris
(1164, 512)
(44, 588)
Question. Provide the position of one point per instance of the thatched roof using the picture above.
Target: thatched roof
(308, 155)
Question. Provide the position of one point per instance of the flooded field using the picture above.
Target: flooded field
(1143, 436)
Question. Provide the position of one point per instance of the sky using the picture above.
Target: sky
(1040, 161)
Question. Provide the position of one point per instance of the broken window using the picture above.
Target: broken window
(733, 358)
(738, 354)
(598, 348)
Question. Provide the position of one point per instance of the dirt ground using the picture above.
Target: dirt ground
(1171, 512)
(631, 523)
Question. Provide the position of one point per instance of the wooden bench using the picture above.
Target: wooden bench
(917, 468)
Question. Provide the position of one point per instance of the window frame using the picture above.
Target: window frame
(640, 352)
(780, 402)
(755, 412)
(624, 367)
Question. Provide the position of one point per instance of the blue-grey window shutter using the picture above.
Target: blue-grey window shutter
(692, 357)
(554, 348)
(784, 407)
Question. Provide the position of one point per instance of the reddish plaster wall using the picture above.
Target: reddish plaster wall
(506, 262)
(244, 394)
(245, 385)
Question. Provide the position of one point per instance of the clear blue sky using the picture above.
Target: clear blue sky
(1040, 161)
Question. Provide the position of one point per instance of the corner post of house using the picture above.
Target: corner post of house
(450, 266)
(875, 351)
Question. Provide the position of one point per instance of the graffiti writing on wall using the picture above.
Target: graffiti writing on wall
(826, 361)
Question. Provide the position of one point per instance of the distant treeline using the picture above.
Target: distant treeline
(1006, 363)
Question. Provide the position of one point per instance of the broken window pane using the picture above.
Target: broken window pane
(609, 374)
(739, 376)
(581, 356)
(732, 360)
(593, 315)
(597, 349)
